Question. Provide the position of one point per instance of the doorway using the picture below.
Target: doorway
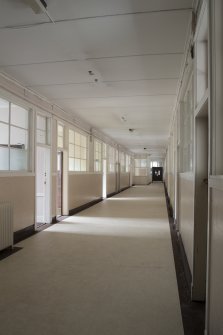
(117, 173)
(201, 205)
(59, 193)
(157, 174)
(104, 179)
(43, 164)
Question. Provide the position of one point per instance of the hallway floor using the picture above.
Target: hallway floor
(108, 270)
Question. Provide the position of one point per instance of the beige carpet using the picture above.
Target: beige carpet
(106, 271)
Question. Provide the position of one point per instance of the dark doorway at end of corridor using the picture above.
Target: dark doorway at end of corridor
(157, 174)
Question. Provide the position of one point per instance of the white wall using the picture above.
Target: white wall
(111, 183)
(124, 180)
(142, 180)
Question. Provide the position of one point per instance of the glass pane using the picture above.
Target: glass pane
(83, 165)
(19, 116)
(71, 164)
(18, 159)
(41, 136)
(83, 141)
(77, 138)
(77, 151)
(77, 164)
(4, 110)
(83, 153)
(41, 122)
(19, 138)
(143, 162)
(137, 162)
(60, 130)
(48, 131)
(4, 158)
(4, 134)
(71, 150)
(60, 142)
(96, 145)
(71, 136)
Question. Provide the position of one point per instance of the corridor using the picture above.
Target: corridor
(108, 270)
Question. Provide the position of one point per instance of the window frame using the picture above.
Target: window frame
(77, 147)
(27, 131)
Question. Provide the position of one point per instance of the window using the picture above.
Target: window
(127, 165)
(186, 132)
(104, 151)
(97, 156)
(14, 126)
(141, 167)
(60, 136)
(43, 130)
(77, 151)
(116, 156)
(111, 159)
(122, 161)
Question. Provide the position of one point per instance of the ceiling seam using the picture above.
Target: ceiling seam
(24, 26)
(109, 97)
(102, 81)
(93, 58)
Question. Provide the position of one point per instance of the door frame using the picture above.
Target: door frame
(48, 198)
(62, 183)
(201, 195)
(49, 147)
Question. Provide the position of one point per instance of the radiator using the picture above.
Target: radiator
(6, 225)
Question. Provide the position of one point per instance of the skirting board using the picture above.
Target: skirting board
(24, 233)
(85, 206)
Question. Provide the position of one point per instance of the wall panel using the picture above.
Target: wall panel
(20, 192)
(83, 188)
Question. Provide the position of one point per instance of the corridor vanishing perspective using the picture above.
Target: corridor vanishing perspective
(107, 270)
(111, 167)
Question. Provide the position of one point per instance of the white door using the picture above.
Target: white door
(42, 185)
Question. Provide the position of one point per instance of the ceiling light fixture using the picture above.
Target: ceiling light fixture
(123, 118)
(39, 6)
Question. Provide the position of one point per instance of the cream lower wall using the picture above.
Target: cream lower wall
(20, 192)
(54, 196)
(111, 183)
(141, 180)
(186, 215)
(83, 188)
(215, 268)
(124, 180)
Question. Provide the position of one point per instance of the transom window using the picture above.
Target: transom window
(111, 159)
(60, 136)
(43, 130)
(122, 161)
(127, 164)
(97, 156)
(77, 151)
(14, 136)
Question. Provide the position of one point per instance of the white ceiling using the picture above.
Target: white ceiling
(134, 48)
